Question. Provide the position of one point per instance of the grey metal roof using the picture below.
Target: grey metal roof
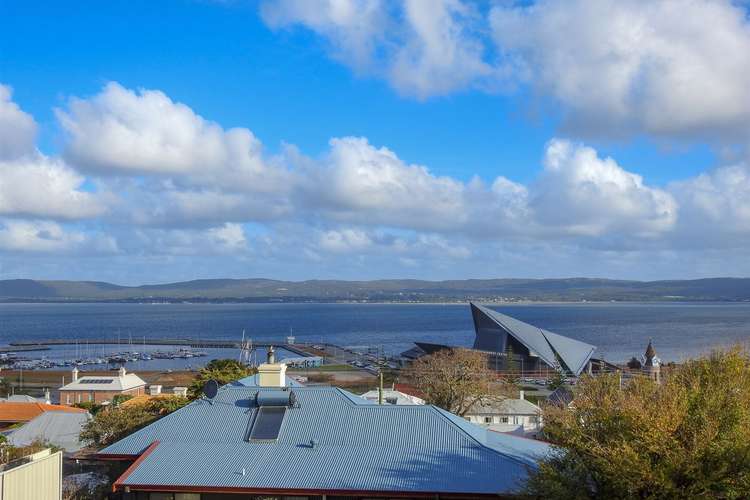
(549, 346)
(55, 427)
(510, 406)
(359, 446)
(22, 398)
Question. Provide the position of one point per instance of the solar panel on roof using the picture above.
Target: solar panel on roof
(268, 422)
(96, 380)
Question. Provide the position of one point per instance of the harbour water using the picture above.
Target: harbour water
(619, 330)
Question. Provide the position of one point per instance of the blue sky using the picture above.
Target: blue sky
(473, 94)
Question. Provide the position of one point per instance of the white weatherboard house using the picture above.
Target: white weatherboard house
(516, 416)
(101, 388)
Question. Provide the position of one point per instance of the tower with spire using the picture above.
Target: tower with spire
(652, 363)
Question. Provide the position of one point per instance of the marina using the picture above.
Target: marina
(103, 356)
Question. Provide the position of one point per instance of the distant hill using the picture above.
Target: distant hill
(267, 290)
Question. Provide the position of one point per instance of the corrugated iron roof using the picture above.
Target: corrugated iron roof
(510, 406)
(121, 382)
(358, 446)
(23, 412)
(58, 428)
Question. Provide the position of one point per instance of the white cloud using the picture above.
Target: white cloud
(35, 236)
(122, 132)
(715, 207)
(440, 52)
(352, 26)
(226, 239)
(17, 128)
(358, 202)
(672, 68)
(361, 183)
(423, 47)
(38, 186)
(666, 67)
(582, 194)
(344, 241)
(168, 206)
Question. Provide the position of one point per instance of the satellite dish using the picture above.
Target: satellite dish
(211, 389)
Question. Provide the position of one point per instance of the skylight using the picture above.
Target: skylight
(267, 423)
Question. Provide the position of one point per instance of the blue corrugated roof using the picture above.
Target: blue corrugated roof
(359, 446)
(547, 345)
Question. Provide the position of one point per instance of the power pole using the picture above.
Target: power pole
(380, 389)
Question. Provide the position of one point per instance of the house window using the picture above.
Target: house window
(161, 496)
(91, 396)
(487, 420)
(78, 397)
(67, 399)
(504, 420)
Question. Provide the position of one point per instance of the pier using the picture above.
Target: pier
(41, 345)
(24, 348)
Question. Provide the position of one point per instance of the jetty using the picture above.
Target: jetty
(24, 348)
(210, 343)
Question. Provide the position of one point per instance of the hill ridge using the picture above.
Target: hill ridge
(387, 290)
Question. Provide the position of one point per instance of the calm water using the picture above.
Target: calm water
(618, 330)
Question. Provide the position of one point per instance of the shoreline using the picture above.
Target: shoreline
(462, 302)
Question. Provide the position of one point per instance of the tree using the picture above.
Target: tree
(119, 399)
(115, 423)
(5, 387)
(686, 438)
(8, 452)
(90, 406)
(556, 380)
(223, 371)
(456, 379)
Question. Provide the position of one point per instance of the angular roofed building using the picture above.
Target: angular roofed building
(316, 443)
(525, 347)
